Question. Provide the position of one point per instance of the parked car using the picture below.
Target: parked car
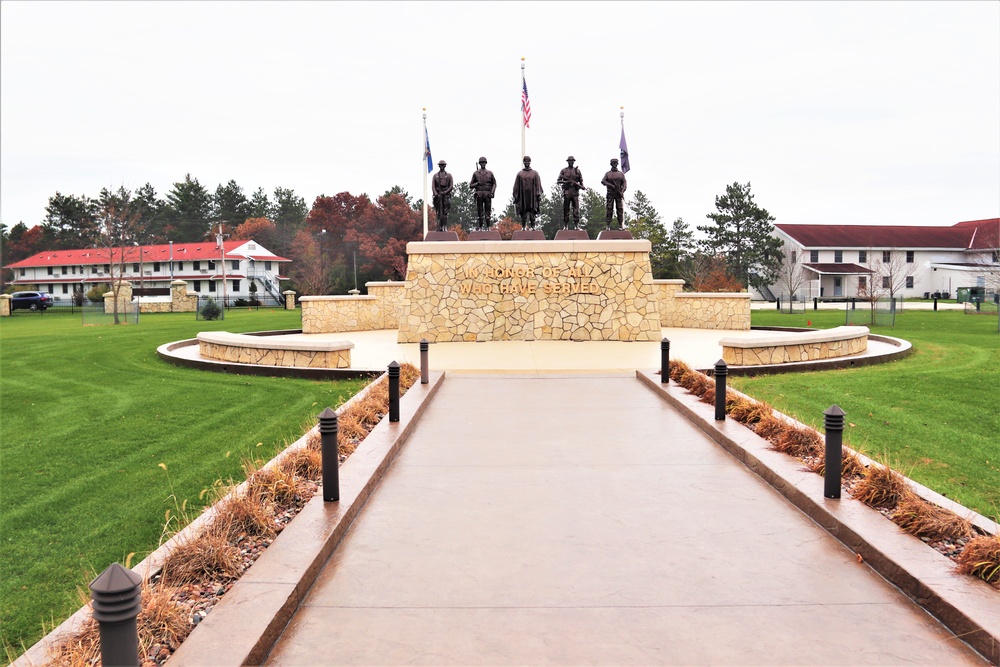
(30, 301)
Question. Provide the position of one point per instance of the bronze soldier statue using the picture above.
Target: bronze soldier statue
(528, 194)
(614, 180)
(571, 181)
(484, 185)
(441, 186)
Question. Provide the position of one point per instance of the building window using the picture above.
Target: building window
(909, 257)
(267, 266)
(180, 266)
(65, 288)
(862, 283)
(156, 266)
(909, 282)
(107, 268)
(135, 268)
(863, 256)
(197, 286)
(49, 270)
(196, 266)
(211, 265)
(22, 273)
(885, 282)
(65, 270)
(814, 256)
(996, 256)
(211, 285)
(236, 265)
(838, 256)
(886, 256)
(236, 286)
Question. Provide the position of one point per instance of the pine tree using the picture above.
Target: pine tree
(742, 233)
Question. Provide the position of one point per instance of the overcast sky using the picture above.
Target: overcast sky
(835, 112)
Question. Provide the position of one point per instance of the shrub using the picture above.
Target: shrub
(97, 292)
(211, 310)
(207, 556)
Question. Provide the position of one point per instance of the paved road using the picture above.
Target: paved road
(581, 520)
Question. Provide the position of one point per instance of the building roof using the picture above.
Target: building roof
(961, 236)
(179, 252)
(837, 269)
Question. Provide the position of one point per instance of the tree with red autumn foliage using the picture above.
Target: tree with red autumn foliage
(261, 230)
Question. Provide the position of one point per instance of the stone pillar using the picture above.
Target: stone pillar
(289, 299)
(124, 298)
(5, 305)
(180, 300)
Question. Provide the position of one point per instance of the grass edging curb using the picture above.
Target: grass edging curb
(968, 607)
(243, 627)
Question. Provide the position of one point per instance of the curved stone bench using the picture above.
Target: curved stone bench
(794, 346)
(274, 351)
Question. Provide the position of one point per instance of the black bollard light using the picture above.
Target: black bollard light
(815, 303)
(425, 371)
(117, 599)
(854, 303)
(393, 391)
(330, 450)
(935, 303)
(833, 422)
(721, 371)
(778, 302)
(664, 361)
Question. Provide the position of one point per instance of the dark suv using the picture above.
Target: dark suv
(30, 300)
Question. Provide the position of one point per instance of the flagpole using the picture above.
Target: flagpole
(523, 151)
(423, 167)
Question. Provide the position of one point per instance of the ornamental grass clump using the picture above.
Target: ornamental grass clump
(981, 558)
(923, 519)
(882, 488)
(798, 441)
(677, 370)
(851, 466)
(209, 555)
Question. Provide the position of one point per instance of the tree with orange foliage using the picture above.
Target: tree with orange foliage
(261, 230)
(711, 273)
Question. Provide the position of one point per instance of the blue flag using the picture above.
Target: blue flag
(427, 152)
(623, 148)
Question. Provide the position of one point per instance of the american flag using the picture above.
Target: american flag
(525, 104)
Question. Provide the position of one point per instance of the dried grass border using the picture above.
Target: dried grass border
(876, 485)
(239, 511)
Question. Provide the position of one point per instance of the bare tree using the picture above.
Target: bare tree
(791, 275)
(314, 271)
(118, 226)
(987, 258)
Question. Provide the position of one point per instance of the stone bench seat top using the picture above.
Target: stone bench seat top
(272, 342)
(776, 339)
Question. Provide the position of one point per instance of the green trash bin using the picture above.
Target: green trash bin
(963, 295)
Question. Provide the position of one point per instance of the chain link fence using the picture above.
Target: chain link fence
(93, 314)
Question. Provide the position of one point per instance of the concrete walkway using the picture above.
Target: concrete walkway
(582, 520)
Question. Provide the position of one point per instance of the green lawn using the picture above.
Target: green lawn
(88, 416)
(935, 414)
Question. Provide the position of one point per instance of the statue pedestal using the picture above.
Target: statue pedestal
(615, 235)
(487, 235)
(441, 236)
(572, 235)
(528, 235)
(527, 290)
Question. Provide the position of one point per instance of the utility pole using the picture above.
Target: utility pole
(222, 250)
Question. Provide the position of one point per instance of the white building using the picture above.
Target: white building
(837, 261)
(207, 269)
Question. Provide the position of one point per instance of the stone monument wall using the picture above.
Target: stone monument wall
(709, 310)
(529, 290)
(379, 309)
